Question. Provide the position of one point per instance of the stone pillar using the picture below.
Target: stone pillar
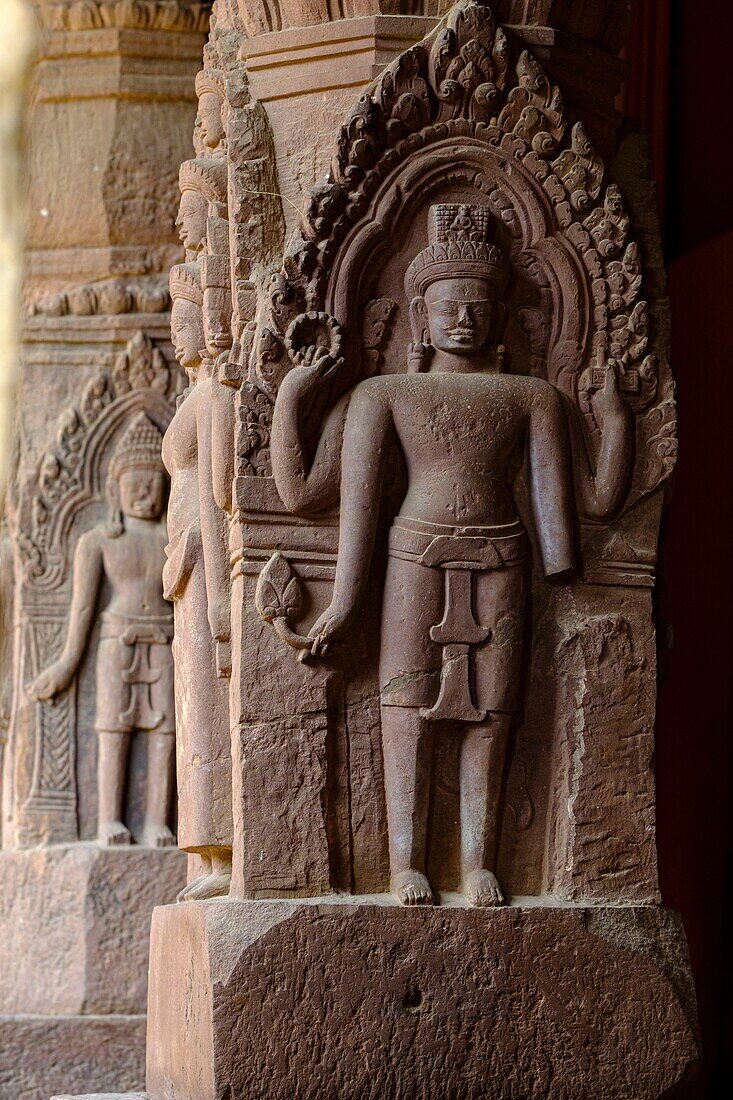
(88, 818)
(452, 439)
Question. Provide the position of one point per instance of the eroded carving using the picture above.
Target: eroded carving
(134, 667)
(98, 512)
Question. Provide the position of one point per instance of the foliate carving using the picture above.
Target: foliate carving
(164, 15)
(278, 598)
(460, 86)
(62, 471)
(534, 109)
(105, 298)
(253, 431)
(468, 65)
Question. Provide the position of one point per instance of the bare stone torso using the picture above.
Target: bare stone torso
(459, 434)
(132, 567)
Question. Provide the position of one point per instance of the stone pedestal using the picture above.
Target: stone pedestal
(338, 998)
(73, 964)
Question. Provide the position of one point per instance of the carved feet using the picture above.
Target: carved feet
(113, 834)
(215, 885)
(412, 888)
(158, 836)
(481, 888)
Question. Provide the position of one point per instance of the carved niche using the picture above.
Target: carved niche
(464, 117)
(49, 776)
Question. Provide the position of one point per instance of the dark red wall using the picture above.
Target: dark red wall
(681, 60)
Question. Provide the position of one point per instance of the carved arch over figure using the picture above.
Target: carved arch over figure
(455, 112)
(69, 473)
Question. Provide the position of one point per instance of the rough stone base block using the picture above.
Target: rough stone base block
(42, 1056)
(105, 1096)
(75, 927)
(259, 999)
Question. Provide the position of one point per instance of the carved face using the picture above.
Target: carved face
(187, 334)
(460, 314)
(142, 492)
(191, 221)
(212, 130)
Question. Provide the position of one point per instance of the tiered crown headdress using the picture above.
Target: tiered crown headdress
(458, 236)
(205, 175)
(139, 445)
(185, 282)
(210, 80)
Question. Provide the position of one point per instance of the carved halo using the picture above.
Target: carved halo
(452, 119)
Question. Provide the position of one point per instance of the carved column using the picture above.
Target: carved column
(87, 852)
(442, 747)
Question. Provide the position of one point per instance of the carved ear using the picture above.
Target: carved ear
(499, 322)
(115, 523)
(419, 320)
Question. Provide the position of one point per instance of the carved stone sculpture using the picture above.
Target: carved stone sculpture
(134, 667)
(111, 111)
(196, 578)
(454, 603)
(453, 433)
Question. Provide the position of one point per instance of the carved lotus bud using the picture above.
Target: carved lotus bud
(152, 299)
(114, 298)
(52, 305)
(278, 594)
(82, 300)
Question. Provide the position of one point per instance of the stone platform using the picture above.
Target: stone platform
(360, 998)
(75, 923)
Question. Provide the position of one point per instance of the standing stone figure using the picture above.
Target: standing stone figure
(196, 578)
(122, 559)
(454, 598)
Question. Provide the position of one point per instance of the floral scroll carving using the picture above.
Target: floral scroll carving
(63, 471)
(462, 85)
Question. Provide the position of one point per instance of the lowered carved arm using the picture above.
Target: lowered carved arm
(85, 588)
(365, 448)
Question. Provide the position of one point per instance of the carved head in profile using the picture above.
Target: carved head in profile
(456, 284)
(136, 479)
(202, 181)
(210, 91)
(187, 325)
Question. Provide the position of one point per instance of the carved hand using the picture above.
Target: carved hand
(54, 679)
(315, 364)
(328, 628)
(606, 401)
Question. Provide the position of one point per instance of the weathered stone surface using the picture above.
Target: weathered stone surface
(75, 923)
(281, 999)
(42, 1055)
(105, 1096)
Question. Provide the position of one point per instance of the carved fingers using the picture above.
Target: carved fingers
(54, 680)
(327, 629)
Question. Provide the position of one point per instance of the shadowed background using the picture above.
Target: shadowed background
(680, 54)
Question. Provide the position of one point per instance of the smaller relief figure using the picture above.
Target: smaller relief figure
(202, 181)
(454, 597)
(118, 564)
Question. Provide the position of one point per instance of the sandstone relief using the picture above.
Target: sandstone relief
(93, 642)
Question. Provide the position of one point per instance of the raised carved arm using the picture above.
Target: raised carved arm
(601, 490)
(551, 481)
(306, 487)
(365, 448)
(85, 588)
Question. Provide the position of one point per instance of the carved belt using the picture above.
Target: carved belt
(140, 675)
(459, 552)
